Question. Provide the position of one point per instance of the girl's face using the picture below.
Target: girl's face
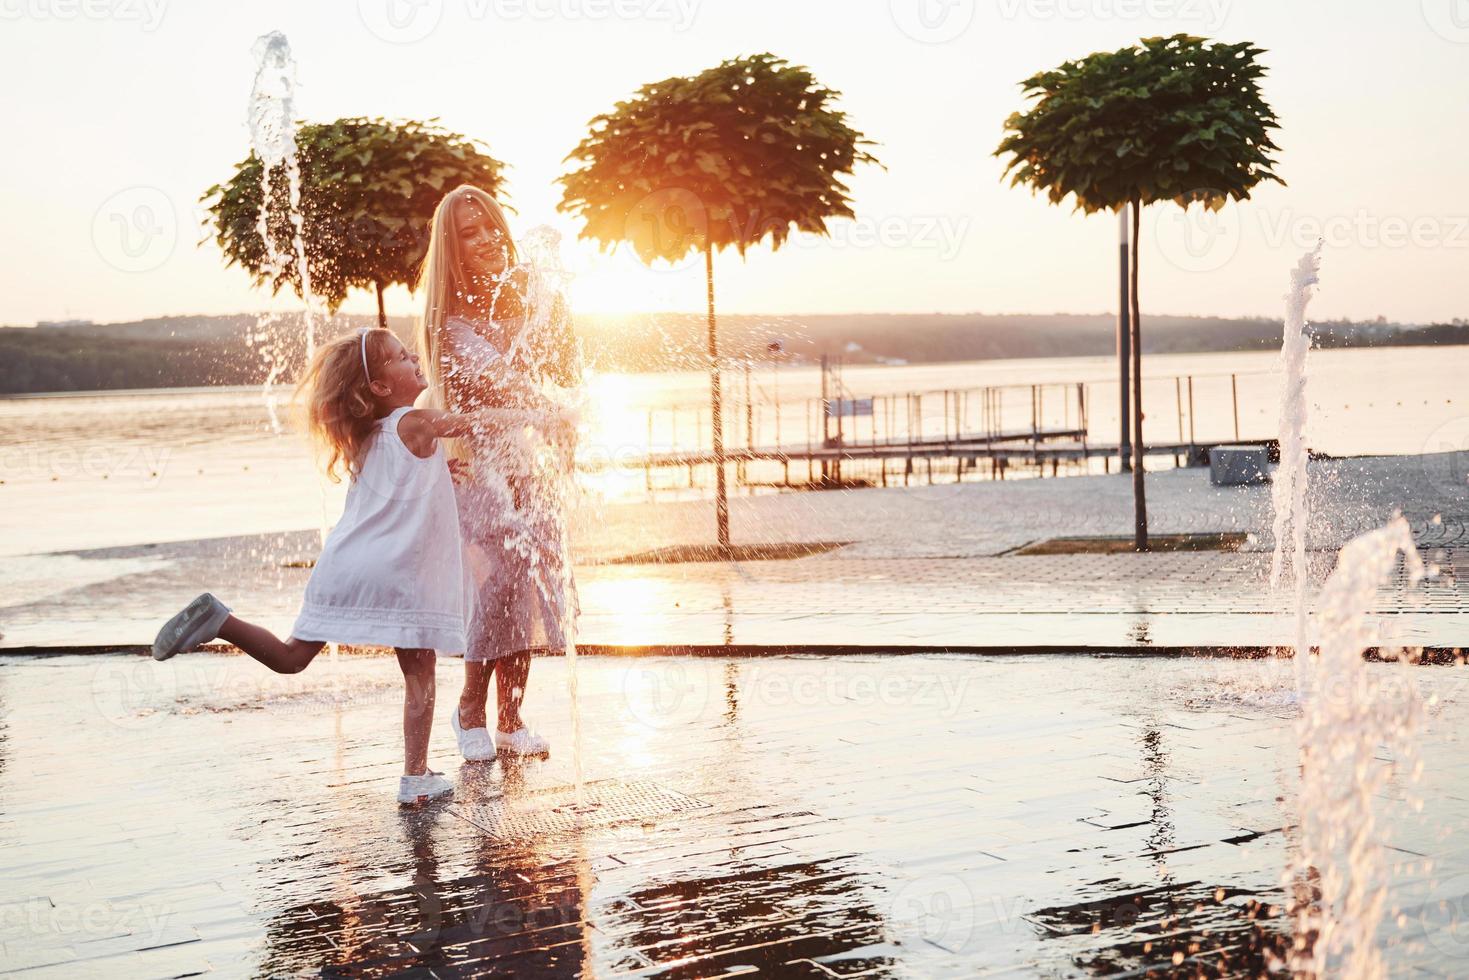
(485, 249)
(398, 377)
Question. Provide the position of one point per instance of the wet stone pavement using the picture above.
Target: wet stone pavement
(915, 816)
(930, 567)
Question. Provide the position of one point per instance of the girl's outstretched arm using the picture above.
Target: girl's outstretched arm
(421, 427)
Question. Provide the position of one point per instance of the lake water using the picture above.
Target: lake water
(84, 471)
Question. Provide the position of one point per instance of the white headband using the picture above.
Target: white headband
(366, 373)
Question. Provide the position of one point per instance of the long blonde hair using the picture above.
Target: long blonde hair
(443, 280)
(341, 411)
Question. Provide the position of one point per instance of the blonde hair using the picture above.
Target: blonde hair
(443, 280)
(341, 410)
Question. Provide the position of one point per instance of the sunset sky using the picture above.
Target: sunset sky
(119, 113)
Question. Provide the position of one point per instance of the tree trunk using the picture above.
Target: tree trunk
(1139, 497)
(721, 497)
(1124, 346)
(382, 313)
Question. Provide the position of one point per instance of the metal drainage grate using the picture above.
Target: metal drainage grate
(553, 810)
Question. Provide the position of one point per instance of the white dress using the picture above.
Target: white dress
(392, 572)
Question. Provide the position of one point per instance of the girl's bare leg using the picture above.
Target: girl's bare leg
(418, 708)
(475, 693)
(288, 657)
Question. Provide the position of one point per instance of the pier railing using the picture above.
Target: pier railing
(1049, 425)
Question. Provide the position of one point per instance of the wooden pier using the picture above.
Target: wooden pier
(929, 436)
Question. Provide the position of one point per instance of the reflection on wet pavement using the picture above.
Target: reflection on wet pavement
(812, 817)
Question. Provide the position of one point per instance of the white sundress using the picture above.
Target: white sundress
(392, 572)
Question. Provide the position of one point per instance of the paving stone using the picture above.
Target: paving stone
(983, 839)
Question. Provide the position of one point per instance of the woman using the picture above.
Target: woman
(490, 337)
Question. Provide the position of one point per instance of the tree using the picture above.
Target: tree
(1169, 119)
(368, 191)
(745, 151)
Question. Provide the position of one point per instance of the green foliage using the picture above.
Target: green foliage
(1173, 118)
(368, 191)
(738, 153)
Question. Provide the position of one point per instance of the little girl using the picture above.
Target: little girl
(391, 572)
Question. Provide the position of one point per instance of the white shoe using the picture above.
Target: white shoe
(523, 741)
(198, 623)
(431, 785)
(474, 743)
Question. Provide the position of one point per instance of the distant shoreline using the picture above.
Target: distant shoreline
(284, 388)
(210, 352)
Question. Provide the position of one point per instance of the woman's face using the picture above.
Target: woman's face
(485, 249)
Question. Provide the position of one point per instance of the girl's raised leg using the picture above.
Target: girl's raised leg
(284, 657)
(418, 708)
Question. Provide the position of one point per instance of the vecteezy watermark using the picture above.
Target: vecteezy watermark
(400, 21)
(1201, 239)
(667, 694)
(1208, 14)
(679, 13)
(1445, 455)
(39, 917)
(932, 21)
(40, 461)
(1198, 238)
(940, 908)
(133, 692)
(675, 221)
(943, 233)
(1443, 920)
(146, 13)
(940, 695)
(1449, 19)
(408, 21)
(136, 229)
(668, 221)
(1363, 229)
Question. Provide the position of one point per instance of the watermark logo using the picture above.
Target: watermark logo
(1445, 455)
(943, 234)
(940, 908)
(932, 21)
(1449, 19)
(669, 221)
(667, 694)
(1444, 917)
(131, 692)
(1198, 238)
(1207, 14)
(400, 21)
(679, 13)
(148, 14)
(136, 230)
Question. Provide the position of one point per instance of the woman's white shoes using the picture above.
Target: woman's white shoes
(474, 743)
(523, 742)
(413, 790)
(198, 623)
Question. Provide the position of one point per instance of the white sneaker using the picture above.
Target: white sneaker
(413, 790)
(523, 741)
(475, 744)
(198, 623)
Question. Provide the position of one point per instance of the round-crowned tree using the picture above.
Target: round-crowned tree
(741, 153)
(368, 191)
(1178, 119)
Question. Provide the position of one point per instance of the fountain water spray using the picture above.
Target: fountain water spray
(1338, 875)
(1289, 488)
(527, 477)
(272, 124)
